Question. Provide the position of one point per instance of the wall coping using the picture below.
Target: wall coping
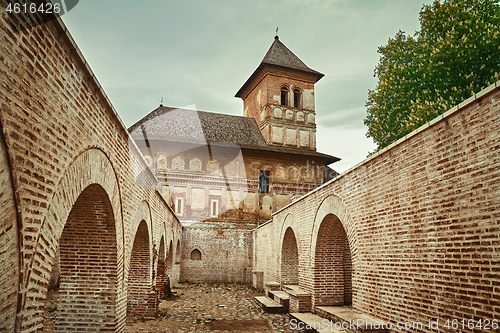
(486, 91)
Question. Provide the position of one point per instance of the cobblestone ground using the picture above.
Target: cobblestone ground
(201, 308)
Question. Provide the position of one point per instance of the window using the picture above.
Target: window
(178, 206)
(264, 181)
(214, 208)
(195, 255)
(297, 99)
(284, 96)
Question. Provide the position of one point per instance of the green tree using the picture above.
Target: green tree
(454, 55)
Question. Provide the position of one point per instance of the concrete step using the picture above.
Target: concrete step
(313, 322)
(269, 305)
(295, 291)
(290, 287)
(363, 322)
(281, 297)
(273, 285)
(270, 287)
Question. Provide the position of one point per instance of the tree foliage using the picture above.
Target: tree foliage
(454, 55)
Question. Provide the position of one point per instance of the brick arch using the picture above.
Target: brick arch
(10, 244)
(139, 277)
(331, 252)
(195, 255)
(88, 260)
(160, 267)
(289, 259)
(332, 204)
(285, 85)
(90, 167)
(288, 222)
(143, 213)
(187, 252)
(170, 259)
(171, 251)
(178, 251)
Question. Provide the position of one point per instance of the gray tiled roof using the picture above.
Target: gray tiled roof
(199, 127)
(280, 55)
(190, 126)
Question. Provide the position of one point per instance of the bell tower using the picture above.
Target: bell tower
(280, 96)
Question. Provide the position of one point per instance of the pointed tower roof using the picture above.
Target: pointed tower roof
(280, 55)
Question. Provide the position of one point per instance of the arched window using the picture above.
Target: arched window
(195, 255)
(178, 163)
(297, 100)
(284, 96)
(195, 165)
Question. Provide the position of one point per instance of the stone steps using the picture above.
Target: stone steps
(269, 305)
(290, 287)
(300, 300)
(281, 297)
(312, 322)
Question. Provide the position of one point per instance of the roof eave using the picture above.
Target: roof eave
(241, 92)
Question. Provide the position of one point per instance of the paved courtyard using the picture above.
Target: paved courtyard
(201, 308)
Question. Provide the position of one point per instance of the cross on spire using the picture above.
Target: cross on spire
(276, 37)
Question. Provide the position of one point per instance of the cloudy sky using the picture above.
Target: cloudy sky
(201, 52)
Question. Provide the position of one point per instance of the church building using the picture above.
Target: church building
(227, 174)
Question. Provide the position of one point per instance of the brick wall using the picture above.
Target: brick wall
(421, 219)
(225, 254)
(60, 137)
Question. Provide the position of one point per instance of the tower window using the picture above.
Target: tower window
(264, 181)
(297, 99)
(284, 96)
